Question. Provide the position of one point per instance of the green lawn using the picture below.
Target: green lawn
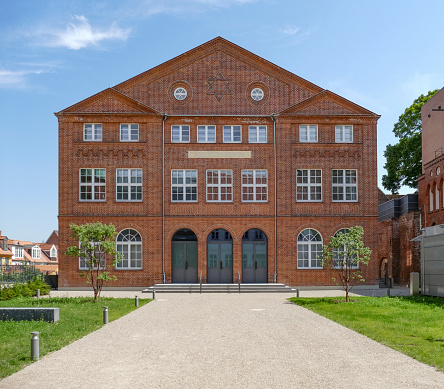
(411, 325)
(78, 317)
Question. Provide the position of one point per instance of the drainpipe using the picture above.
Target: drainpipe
(275, 200)
(163, 198)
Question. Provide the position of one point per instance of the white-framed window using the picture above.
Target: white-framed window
(36, 252)
(183, 185)
(17, 252)
(220, 185)
(309, 249)
(129, 244)
(308, 133)
(232, 134)
(129, 132)
(338, 260)
(431, 202)
(345, 185)
(180, 93)
(344, 134)
(53, 252)
(100, 256)
(129, 184)
(180, 133)
(92, 132)
(257, 94)
(257, 134)
(436, 197)
(254, 186)
(206, 134)
(92, 184)
(308, 185)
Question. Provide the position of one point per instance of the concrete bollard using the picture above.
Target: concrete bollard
(38, 293)
(105, 315)
(297, 292)
(154, 294)
(414, 283)
(388, 292)
(35, 347)
(136, 301)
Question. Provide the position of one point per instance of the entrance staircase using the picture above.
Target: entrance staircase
(219, 288)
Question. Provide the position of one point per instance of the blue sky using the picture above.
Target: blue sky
(54, 53)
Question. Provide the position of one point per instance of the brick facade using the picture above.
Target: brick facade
(218, 77)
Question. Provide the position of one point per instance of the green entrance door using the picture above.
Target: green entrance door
(220, 257)
(184, 257)
(254, 257)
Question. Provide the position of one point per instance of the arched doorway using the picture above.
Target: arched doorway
(219, 257)
(184, 256)
(254, 257)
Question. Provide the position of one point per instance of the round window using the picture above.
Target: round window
(257, 94)
(180, 93)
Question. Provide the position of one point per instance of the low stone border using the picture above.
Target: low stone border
(30, 314)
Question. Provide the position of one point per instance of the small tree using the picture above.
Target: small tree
(343, 253)
(96, 242)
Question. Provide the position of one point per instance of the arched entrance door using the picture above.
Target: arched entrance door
(220, 257)
(184, 256)
(254, 257)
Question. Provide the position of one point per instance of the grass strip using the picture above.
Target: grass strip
(413, 325)
(78, 317)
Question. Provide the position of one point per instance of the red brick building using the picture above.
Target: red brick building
(218, 163)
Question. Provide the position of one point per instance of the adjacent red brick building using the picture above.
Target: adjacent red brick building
(221, 164)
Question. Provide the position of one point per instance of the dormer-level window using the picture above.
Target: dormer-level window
(53, 252)
(36, 252)
(92, 132)
(18, 252)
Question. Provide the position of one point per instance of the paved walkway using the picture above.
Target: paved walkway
(224, 341)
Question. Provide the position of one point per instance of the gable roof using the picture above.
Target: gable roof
(109, 100)
(327, 103)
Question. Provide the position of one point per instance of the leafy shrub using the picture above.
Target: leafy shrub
(25, 290)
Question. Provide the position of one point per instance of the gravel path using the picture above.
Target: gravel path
(223, 341)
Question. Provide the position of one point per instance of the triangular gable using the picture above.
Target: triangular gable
(108, 101)
(210, 47)
(327, 103)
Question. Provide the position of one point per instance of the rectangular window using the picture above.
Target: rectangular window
(129, 185)
(183, 185)
(308, 133)
(344, 134)
(345, 185)
(100, 257)
(232, 134)
(92, 184)
(92, 132)
(180, 133)
(308, 185)
(254, 186)
(129, 132)
(206, 134)
(257, 134)
(220, 185)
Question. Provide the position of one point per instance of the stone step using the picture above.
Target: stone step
(219, 288)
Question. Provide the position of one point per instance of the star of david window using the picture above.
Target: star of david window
(257, 94)
(219, 86)
(180, 93)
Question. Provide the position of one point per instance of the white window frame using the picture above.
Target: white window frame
(307, 243)
(309, 185)
(431, 202)
(183, 179)
(207, 132)
(132, 181)
(97, 194)
(336, 259)
(308, 133)
(180, 133)
(17, 251)
(257, 134)
(222, 187)
(36, 252)
(95, 134)
(53, 252)
(344, 134)
(232, 134)
(131, 248)
(341, 188)
(132, 132)
(82, 260)
(436, 197)
(254, 188)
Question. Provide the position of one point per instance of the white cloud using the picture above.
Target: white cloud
(290, 30)
(15, 78)
(80, 34)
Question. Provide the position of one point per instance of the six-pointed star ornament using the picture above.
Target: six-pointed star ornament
(219, 86)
